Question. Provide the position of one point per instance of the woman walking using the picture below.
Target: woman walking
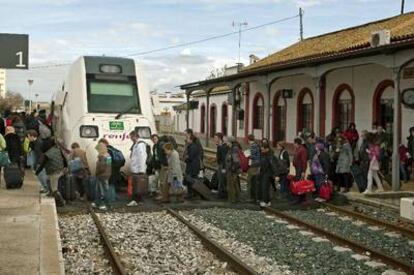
(174, 174)
(343, 167)
(374, 152)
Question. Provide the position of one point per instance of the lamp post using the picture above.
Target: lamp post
(37, 103)
(30, 81)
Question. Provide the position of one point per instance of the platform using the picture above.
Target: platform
(30, 242)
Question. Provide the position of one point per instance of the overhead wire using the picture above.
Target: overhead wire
(185, 44)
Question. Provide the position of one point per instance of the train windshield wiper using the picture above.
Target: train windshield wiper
(118, 116)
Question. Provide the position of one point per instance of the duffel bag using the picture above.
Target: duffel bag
(326, 190)
(302, 187)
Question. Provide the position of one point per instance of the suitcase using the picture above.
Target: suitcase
(326, 190)
(360, 177)
(13, 176)
(200, 188)
(67, 187)
(140, 184)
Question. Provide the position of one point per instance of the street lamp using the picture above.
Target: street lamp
(30, 81)
(37, 103)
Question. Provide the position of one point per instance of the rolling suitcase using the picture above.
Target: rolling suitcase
(360, 177)
(140, 184)
(67, 188)
(13, 176)
(200, 188)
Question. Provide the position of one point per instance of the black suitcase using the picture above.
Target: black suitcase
(360, 177)
(67, 187)
(13, 176)
(200, 188)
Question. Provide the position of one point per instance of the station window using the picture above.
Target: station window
(224, 119)
(258, 112)
(343, 108)
(279, 118)
(384, 103)
(203, 119)
(213, 120)
(305, 110)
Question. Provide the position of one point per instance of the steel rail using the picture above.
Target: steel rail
(117, 266)
(403, 230)
(236, 263)
(389, 260)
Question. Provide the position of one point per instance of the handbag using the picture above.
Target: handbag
(326, 190)
(176, 187)
(302, 186)
(4, 159)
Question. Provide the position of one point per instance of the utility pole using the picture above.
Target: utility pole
(301, 23)
(30, 81)
(402, 6)
(240, 32)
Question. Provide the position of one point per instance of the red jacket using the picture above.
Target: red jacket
(351, 135)
(300, 158)
(403, 153)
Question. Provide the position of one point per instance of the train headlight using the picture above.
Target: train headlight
(89, 131)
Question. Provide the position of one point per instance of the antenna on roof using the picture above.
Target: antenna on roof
(301, 23)
(402, 6)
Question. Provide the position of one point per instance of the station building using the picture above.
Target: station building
(351, 75)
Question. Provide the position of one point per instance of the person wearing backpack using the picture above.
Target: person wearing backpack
(160, 165)
(138, 167)
(78, 166)
(53, 163)
(103, 172)
(253, 171)
(118, 161)
(233, 170)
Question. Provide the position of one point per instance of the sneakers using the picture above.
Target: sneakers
(103, 207)
(268, 204)
(43, 191)
(93, 205)
(263, 204)
(366, 192)
(132, 203)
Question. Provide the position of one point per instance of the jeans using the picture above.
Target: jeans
(319, 179)
(284, 184)
(403, 172)
(102, 185)
(43, 180)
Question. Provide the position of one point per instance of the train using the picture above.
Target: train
(103, 97)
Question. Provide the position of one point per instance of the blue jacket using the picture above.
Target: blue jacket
(254, 155)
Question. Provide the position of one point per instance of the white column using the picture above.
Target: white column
(396, 123)
(317, 106)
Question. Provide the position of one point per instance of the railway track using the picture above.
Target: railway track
(221, 253)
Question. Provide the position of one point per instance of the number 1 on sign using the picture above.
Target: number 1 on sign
(20, 64)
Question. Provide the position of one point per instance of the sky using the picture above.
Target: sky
(62, 30)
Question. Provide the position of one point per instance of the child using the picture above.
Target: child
(103, 172)
(78, 164)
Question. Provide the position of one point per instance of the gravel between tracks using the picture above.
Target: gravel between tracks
(373, 237)
(82, 248)
(271, 237)
(264, 265)
(157, 243)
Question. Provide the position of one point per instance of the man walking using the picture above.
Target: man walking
(222, 149)
(138, 168)
(253, 171)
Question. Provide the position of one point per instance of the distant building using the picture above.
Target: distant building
(3, 86)
(163, 109)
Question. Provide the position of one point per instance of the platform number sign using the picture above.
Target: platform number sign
(14, 51)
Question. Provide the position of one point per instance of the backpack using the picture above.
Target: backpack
(44, 131)
(118, 159)
(75, 165)
(244, 161)
(148, 162)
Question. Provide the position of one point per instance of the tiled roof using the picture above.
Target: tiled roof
(347, 40)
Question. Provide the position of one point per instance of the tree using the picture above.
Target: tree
(12, 101)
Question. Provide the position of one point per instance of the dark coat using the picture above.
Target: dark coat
(14, 147)
(284, 156)
(221, 154)
(193, 160)
(325, 162)
(158, 155)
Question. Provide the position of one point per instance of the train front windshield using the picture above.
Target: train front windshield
(105, 96)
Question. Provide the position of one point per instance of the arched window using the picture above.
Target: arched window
(224, 119)
(383, 103)
(213, 120)
(258, 112)
(343, 107)
(203, 119)
(305, 110)
(279, 118)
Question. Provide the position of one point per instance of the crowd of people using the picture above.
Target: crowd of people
(343, 157)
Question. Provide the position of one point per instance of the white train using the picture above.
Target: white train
(103, 97)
